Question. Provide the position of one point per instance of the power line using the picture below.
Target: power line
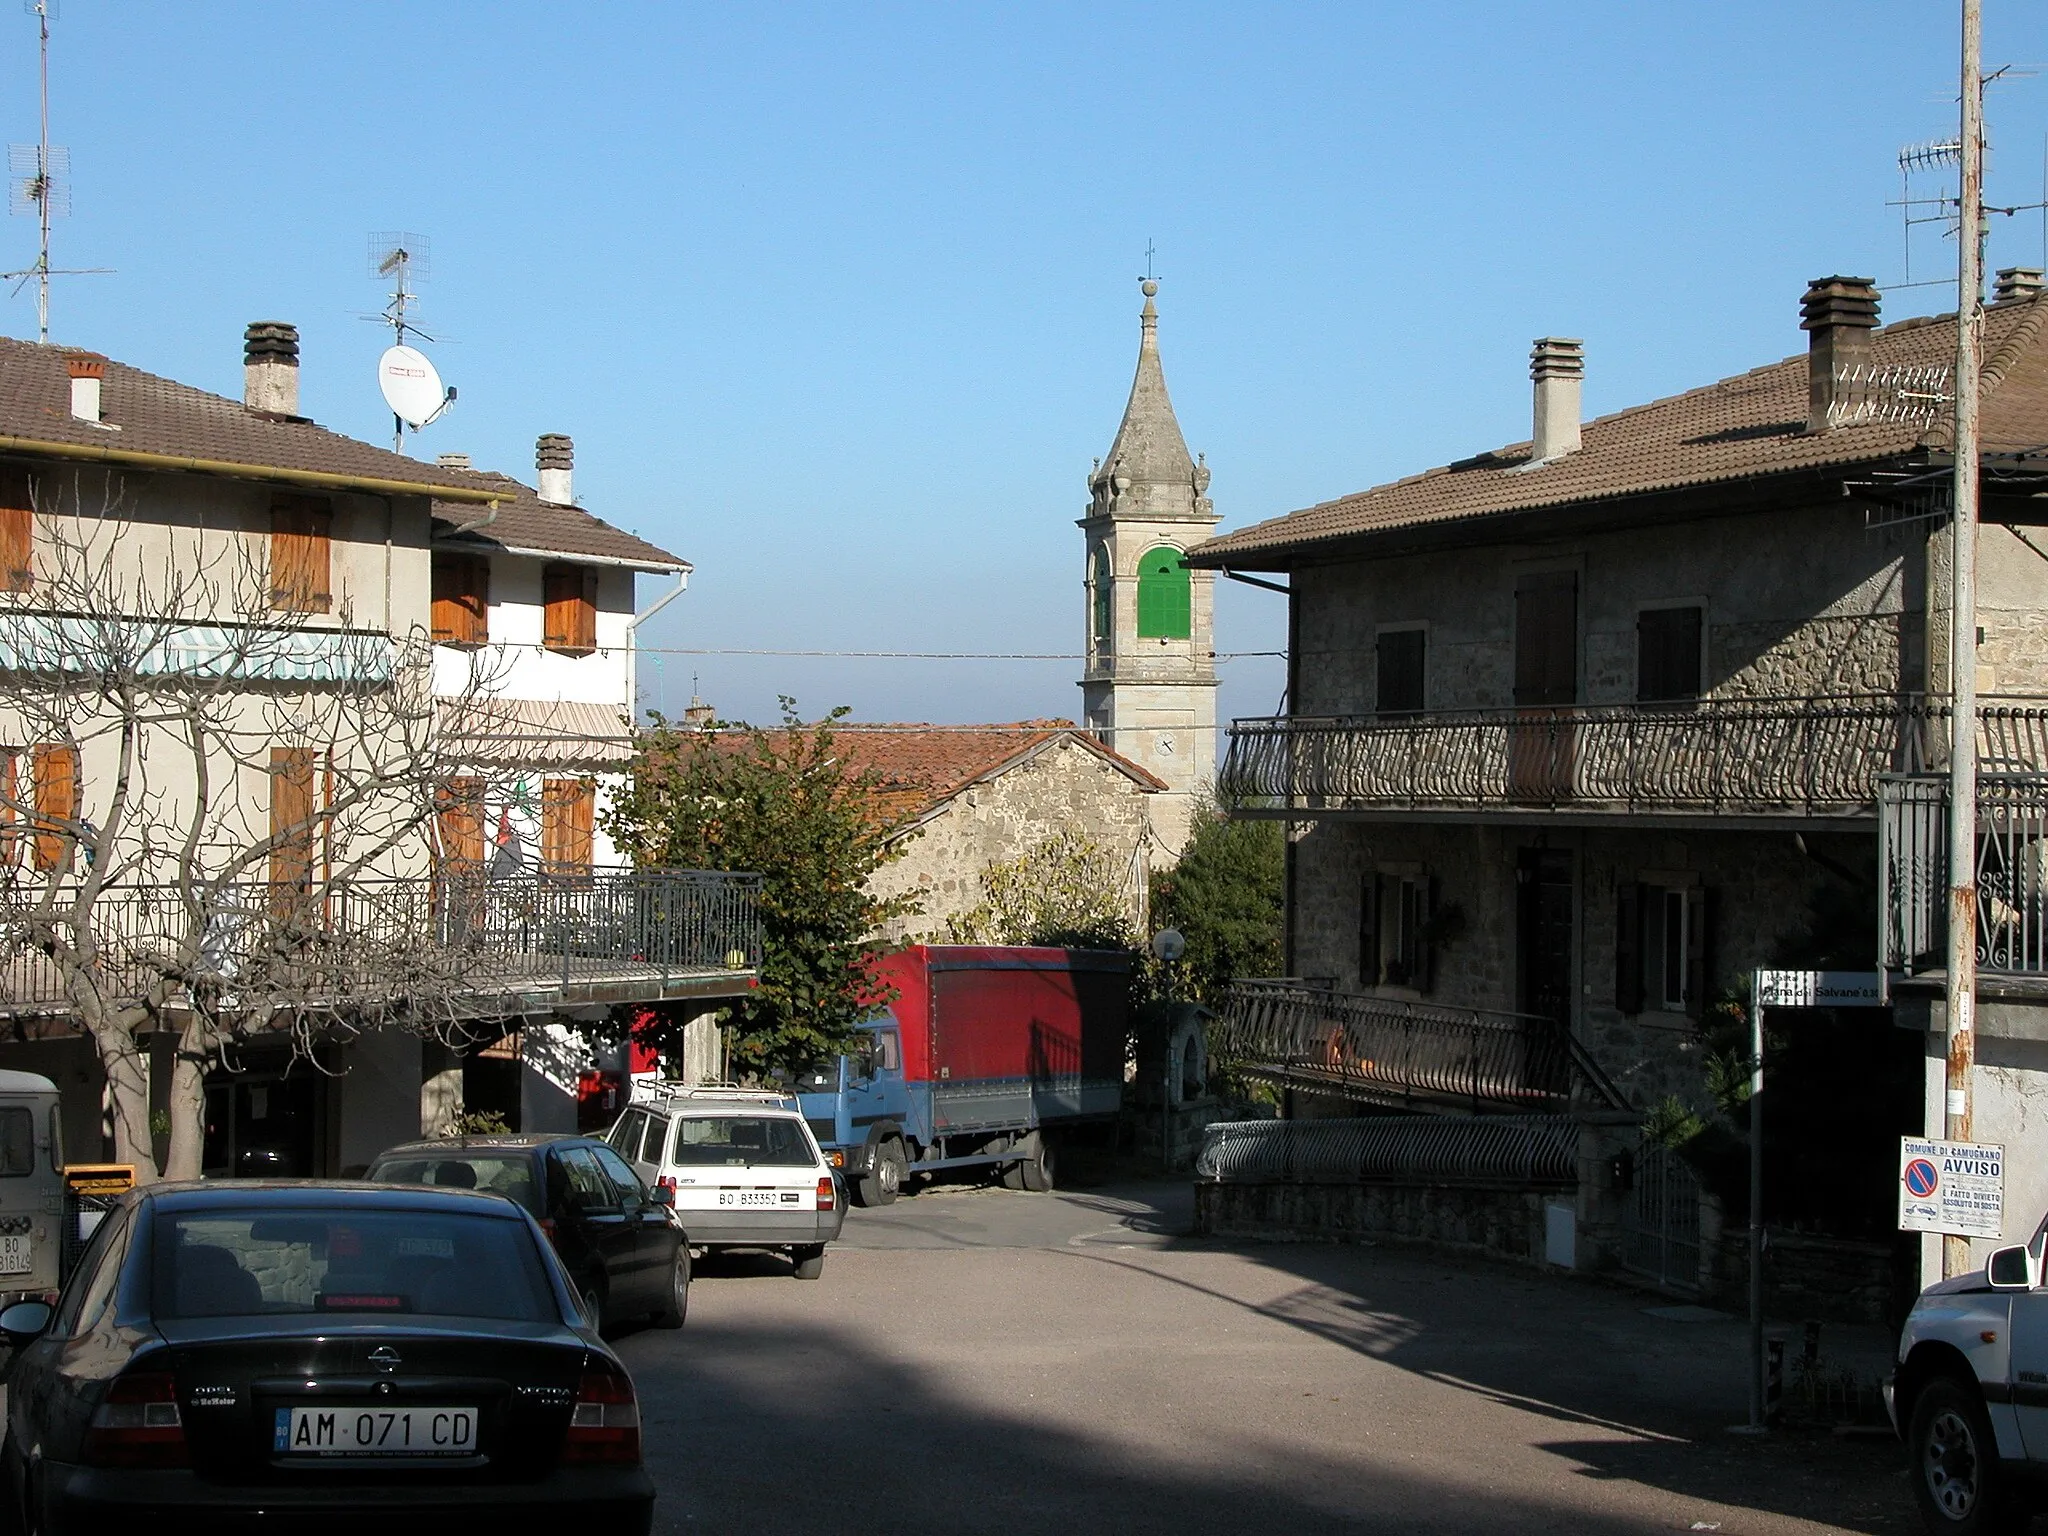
(678, 650)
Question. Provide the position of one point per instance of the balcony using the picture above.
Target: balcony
(458, 946)
(2012, 874)
(1789, 759)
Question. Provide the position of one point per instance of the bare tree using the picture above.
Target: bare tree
(218, 804)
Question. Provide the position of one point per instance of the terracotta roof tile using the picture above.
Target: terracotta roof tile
(525, 522)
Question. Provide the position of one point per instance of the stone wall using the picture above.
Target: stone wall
(1065, 787)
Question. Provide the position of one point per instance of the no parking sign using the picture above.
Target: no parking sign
(1951, 1186)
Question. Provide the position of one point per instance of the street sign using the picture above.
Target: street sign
(1819, 989)
(1951, 1186)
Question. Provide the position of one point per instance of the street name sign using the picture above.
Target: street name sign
(1819, 989)
(1956, 1187)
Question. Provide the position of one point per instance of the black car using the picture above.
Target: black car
(627, 1255)
(235, 1355)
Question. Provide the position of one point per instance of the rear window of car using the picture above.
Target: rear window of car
(238, 1263)
(741, 1141)
(505, 1173)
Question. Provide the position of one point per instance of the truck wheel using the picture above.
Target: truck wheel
(808, 1262)
(1037, 1169)
(1957, 1480)
(880, 1184)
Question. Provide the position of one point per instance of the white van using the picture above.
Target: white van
(746, 1171)
(32, 1236)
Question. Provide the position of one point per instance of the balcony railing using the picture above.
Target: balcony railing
(2012, 873)
(1804, 756)
(1410, 1055)
(460, 943)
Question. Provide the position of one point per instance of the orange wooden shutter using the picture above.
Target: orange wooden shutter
(570, 594)
(291, 816)
(10, 802)
(462, 599)
(17, 532)
(462, 825)
(301, 529)
(56, 786)
(567, 820)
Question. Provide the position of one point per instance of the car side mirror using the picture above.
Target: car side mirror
(25, 1320)
(662, 1194)
(2010, 1269)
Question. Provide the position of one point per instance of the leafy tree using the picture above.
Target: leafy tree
(1069, 892)
(1225, 896)
(786, 804)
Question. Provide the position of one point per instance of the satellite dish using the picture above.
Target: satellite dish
(1169, 944)
(411, 386)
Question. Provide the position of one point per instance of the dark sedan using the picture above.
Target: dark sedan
(627, 1256)
(282, 1355)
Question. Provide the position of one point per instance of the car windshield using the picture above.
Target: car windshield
(493, 1173)
(741, 1141)
(238, 1263)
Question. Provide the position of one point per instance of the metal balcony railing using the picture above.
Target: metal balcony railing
(2012, 872)
(1415, 1055)
(1806, 756)
(1435, 1149)
(453, 941)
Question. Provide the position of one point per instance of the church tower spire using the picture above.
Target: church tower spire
(1150, 687)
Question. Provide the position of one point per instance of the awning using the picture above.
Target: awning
(49, 644)
(534, 733)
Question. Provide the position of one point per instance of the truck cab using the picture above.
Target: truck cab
(859, 1107)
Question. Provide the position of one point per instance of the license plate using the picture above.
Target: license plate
(16, 1257)
(375, 1432)
(757, 1197)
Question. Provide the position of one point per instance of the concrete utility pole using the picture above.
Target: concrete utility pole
(1962, 640)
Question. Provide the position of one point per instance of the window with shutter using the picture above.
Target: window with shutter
(10, 808)
(1668, 655)
(1661, 957)
(291, 818)
(1165, 595)
(1394, 948)
(55, 768)
(568, 817)
(570, 596)
(301, 530)
(1399, 663)
(461, 825)
(462, 600)
(17, 532)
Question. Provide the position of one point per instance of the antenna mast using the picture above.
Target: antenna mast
(41, 167)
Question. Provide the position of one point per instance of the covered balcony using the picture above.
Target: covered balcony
(1773, 760)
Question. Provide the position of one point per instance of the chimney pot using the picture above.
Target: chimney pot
(1838, 313)
(555, 456)
(87, 370)
(2016, 284)
(270, 368)
(1558, 366)
(454, 461)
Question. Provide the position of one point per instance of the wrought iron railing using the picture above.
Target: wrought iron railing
(455, 940)
(1410, 1054)
(2012, 872)
(1730, 756)
(1492, 1149)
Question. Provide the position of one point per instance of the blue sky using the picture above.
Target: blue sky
(838, 301)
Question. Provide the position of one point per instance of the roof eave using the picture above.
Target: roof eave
(669, 567)
(277, 473)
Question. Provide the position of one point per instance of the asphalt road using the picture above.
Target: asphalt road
(981, 1360)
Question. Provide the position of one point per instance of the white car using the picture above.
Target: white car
(1970, 1395)
(746, 1171)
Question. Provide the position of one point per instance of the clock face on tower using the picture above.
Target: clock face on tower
(1165, 746)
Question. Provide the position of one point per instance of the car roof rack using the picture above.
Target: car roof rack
(714, 1093)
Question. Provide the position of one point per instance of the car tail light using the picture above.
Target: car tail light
(668, 1181)
(604, 1426)
(137, 1424)
(827, 1193)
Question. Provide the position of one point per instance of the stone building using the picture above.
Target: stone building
(1150, 688)
(1585, 727)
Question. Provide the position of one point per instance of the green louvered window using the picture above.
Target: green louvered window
(1101, 589)
(1165, 599)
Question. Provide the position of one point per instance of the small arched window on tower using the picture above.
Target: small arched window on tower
(1165, 595)
(1101, 589)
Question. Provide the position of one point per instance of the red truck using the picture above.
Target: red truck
(986, 1054)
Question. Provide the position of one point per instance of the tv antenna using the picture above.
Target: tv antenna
(1917, 205)
(408, 380)
(40, 175)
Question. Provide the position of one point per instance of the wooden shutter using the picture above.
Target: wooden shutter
(1369, 929)
(570, 596)
(461, 825)
(17, 532)
(10, 808)
(55, 769)
(1547, 639)
(1667, 654)
(1628, 947)
(1399, 663)
(1699, 950)
(568, 816)
(462, 599)
(301, 529)
(291, 817)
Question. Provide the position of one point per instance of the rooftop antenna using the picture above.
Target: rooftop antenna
(1940, 157)
(40, 173)
(410, 384)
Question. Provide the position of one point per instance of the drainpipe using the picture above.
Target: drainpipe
(632, 628)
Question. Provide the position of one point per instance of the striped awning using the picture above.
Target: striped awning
(535, 733)
(61, 644)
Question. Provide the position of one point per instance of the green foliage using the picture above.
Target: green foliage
(1225, 896)
(1671, 1124)
(1067, 892)
(785, 804)
(478, 1122)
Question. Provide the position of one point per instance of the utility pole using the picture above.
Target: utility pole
(1962, 639)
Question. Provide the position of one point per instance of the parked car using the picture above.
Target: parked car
(229, 1354)
(741, 1166)
(626, 1255)
(1970, 1394)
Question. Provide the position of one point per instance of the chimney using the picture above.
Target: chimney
(88, 370)
(1839, 313)
(699, 716)
(454, 461)
(1558, 365)
(554, 454)
(2016, 284)
(270, 368)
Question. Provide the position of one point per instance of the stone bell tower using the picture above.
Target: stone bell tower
(1150, 688)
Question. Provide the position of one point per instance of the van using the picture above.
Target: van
(32, 1235)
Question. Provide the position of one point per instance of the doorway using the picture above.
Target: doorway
(1544, 933)
(264, 1125)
